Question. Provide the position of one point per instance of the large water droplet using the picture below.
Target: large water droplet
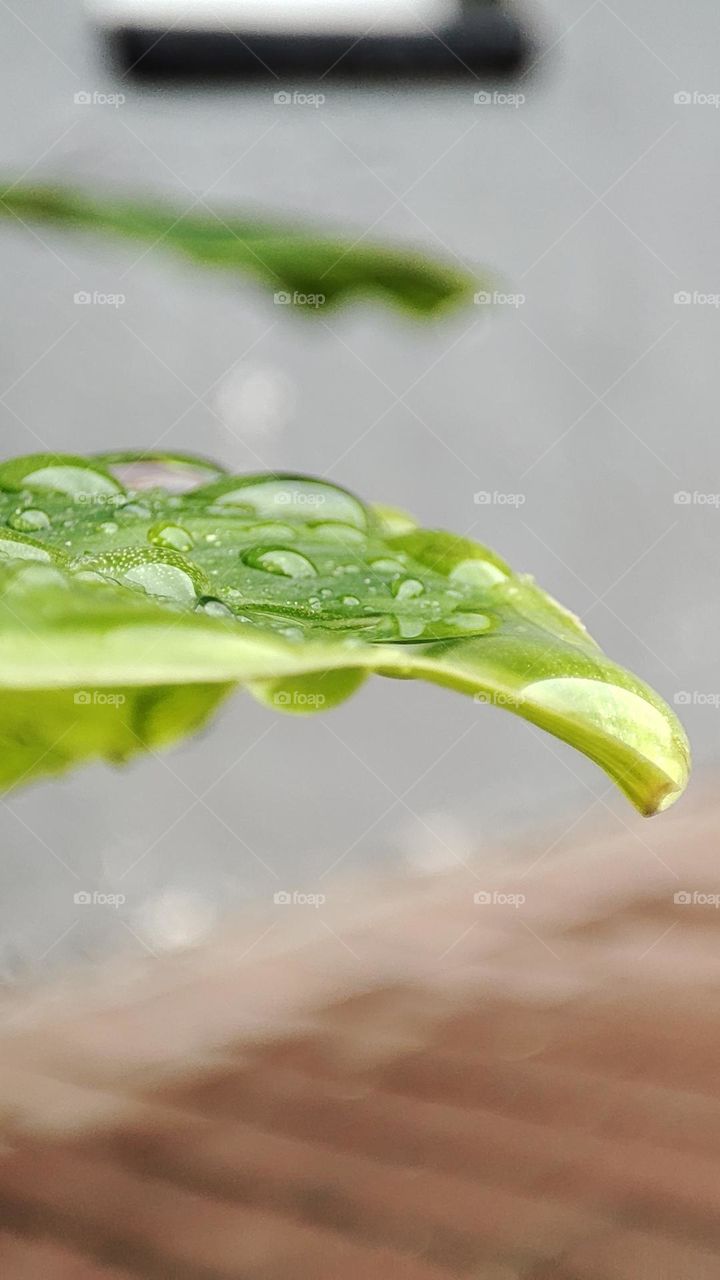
(158, 571)
(280, 560)
(288, 497)
(29, 520)
(15, 547)
(61, 473)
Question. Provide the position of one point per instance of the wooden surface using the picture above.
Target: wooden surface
(399, 1083)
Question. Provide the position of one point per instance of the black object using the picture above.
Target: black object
(486, 38)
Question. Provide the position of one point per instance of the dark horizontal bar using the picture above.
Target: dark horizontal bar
(487, 41)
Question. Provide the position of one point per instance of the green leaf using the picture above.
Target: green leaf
(127, 614)
(304, 268)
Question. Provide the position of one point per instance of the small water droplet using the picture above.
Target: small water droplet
(350, 601)
(109, 526)
(408, 589)
(387, 565)
(280, 560)
(477, 573)
(29, 520)
(171, 535)
(215, 608)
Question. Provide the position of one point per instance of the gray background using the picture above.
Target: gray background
(596, 400)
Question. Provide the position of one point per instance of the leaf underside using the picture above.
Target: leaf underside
(136, 591)
(306, 269)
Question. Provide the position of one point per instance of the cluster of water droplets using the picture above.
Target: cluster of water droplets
(287, 553)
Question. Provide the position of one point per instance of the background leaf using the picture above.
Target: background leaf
(299, 264)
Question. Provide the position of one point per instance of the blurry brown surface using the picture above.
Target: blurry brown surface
(402, 1082)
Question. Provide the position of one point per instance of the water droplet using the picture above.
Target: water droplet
(475, 622)
(109, 526)
(61, 473)
(158, 571)
(29, 520)
(280, 560)
(408, 589)
(15, 547)
(215, 608)
(477, 573)
(287, 497)
(171, 535)
(350, 601)
(335, 531)
(387, 565)
(136, 509)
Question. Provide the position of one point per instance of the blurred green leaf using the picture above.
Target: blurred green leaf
(305, 268)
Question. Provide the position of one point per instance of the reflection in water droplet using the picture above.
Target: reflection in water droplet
(288, 497)
(170, 535)
(215, 608)
(15, 547)
(280, 560)
(408, 589)
(29, 520)
(387, 565)
(165, 580)
(475, 622)
(137, 509)
(477, 573)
